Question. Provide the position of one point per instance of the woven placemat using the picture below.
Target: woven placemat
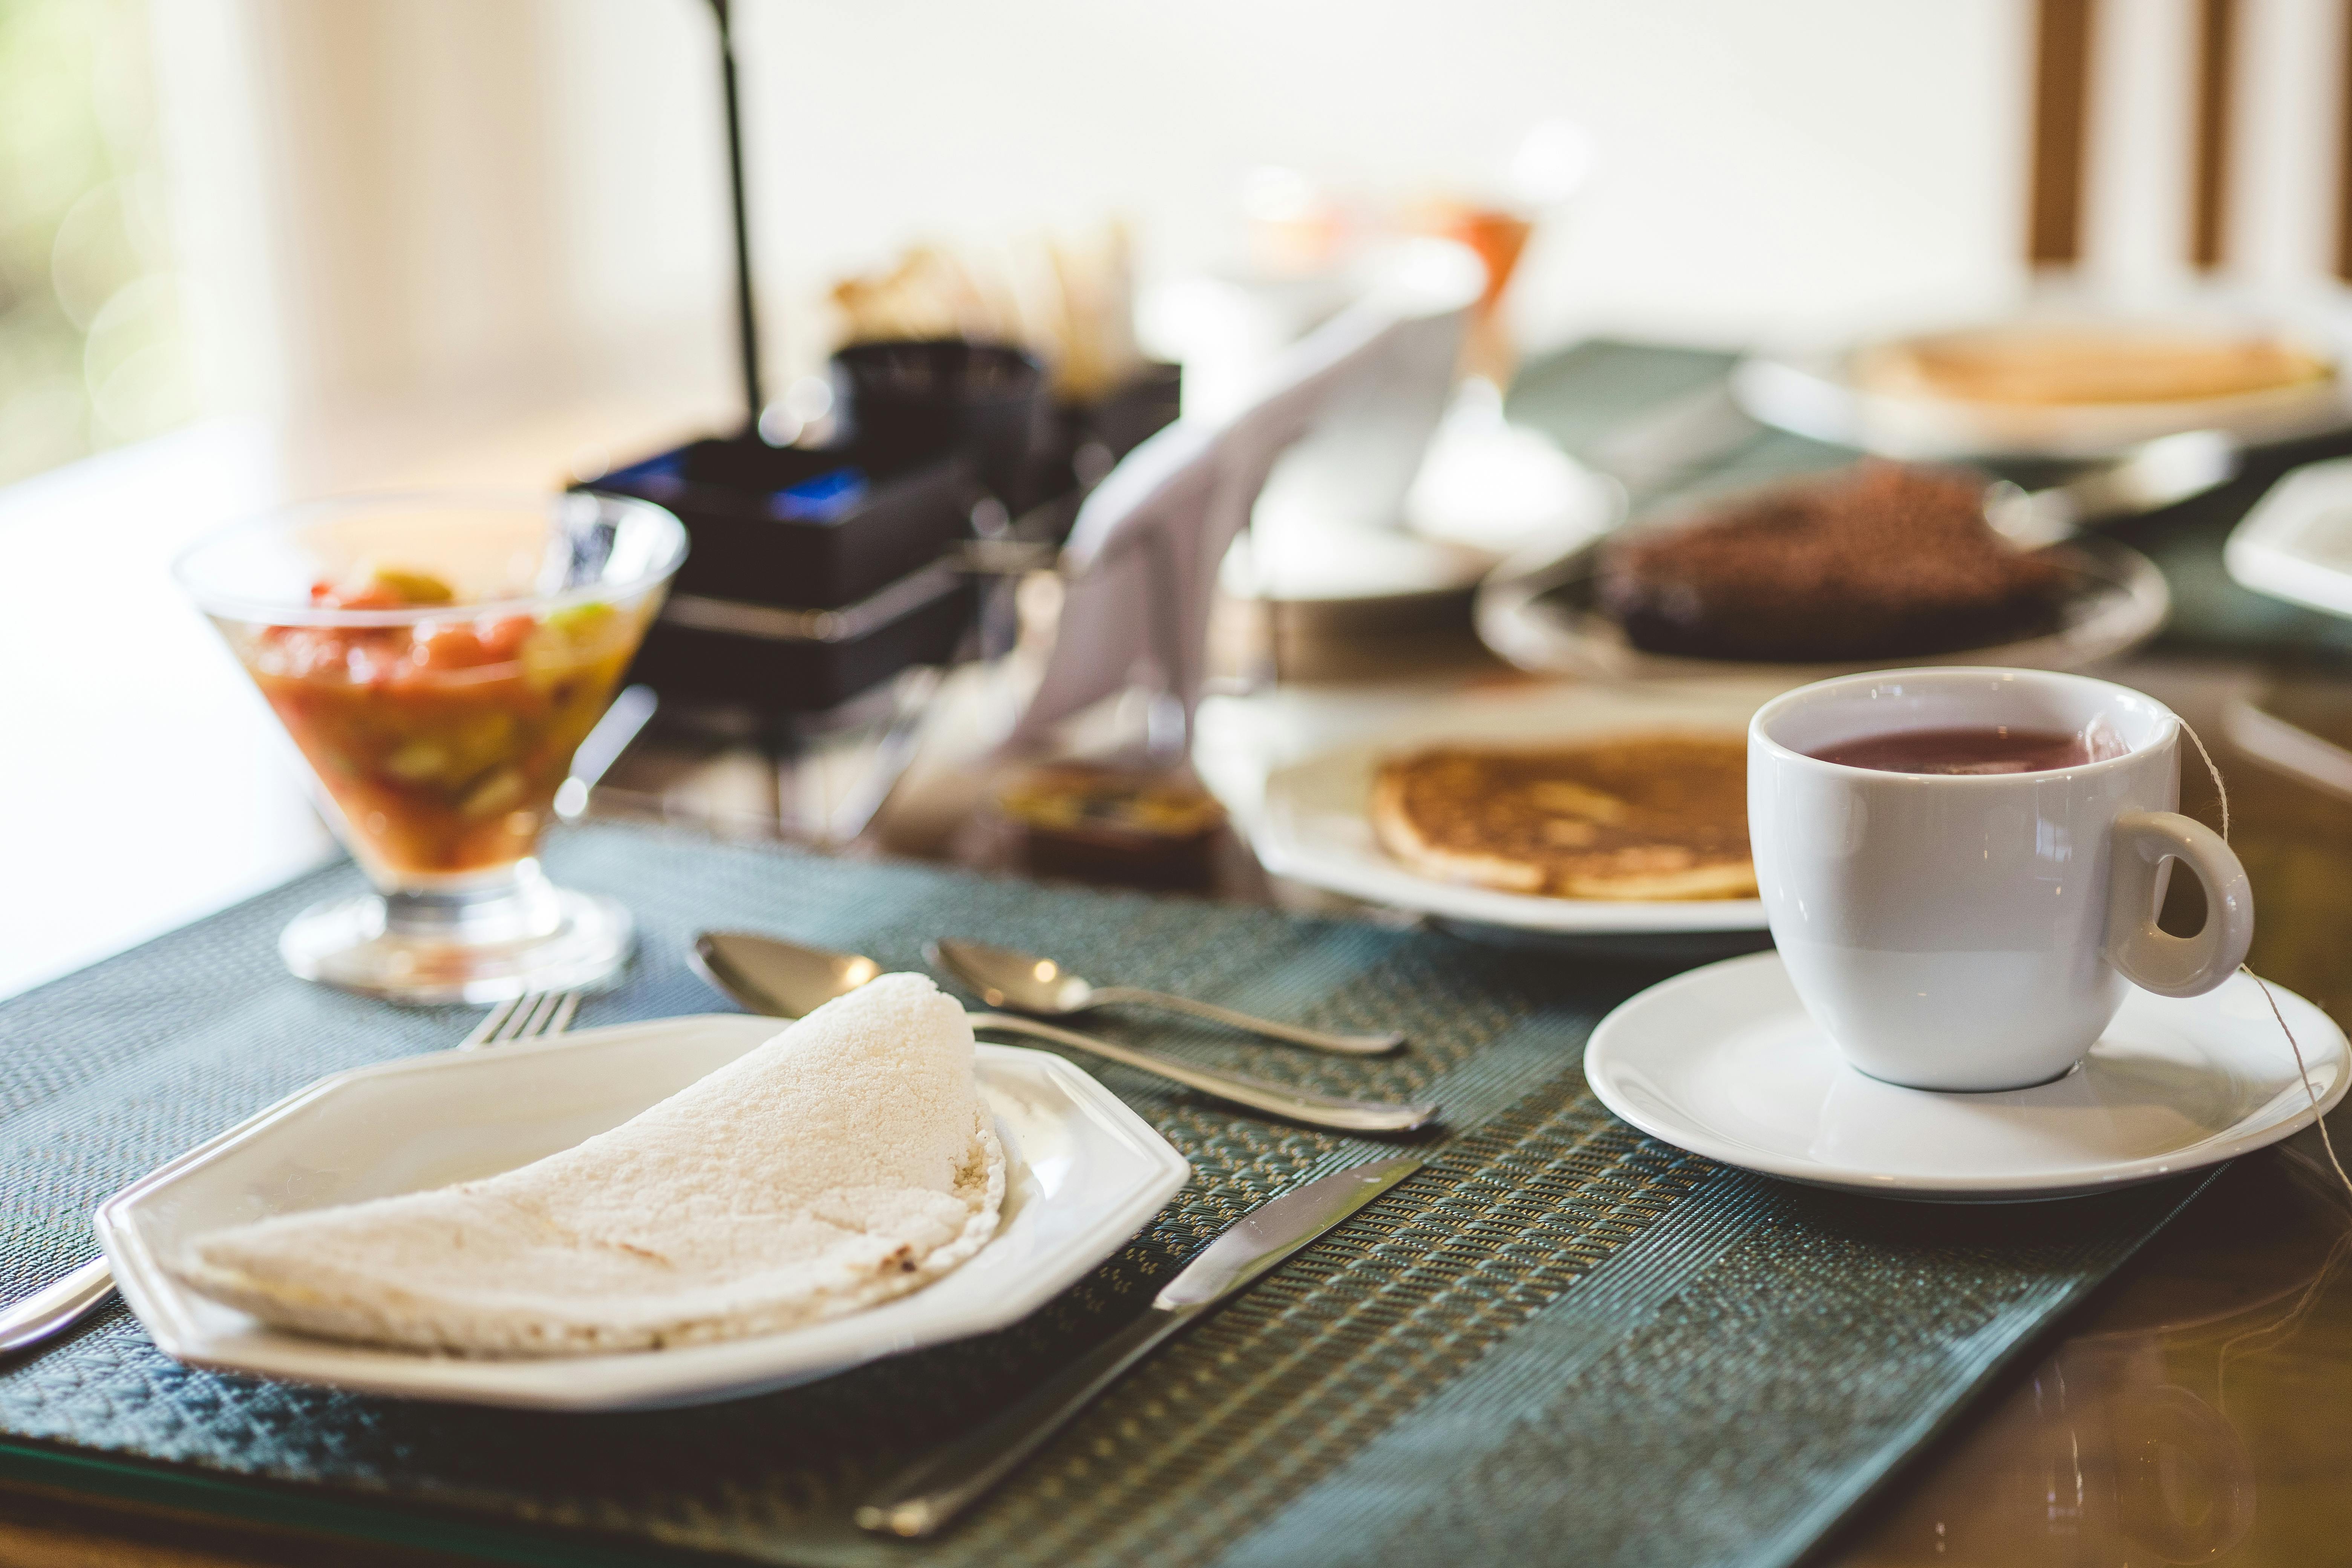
(1561, 1342)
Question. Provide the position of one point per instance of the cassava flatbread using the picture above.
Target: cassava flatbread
(844, 1162)
(1661, 816)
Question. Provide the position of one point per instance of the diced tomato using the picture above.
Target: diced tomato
(447, 645)
(502, 637)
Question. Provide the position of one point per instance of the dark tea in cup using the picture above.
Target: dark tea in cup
(1977, 749)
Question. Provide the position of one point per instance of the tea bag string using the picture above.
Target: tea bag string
(2324, 1141)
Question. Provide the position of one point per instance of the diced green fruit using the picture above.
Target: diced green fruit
(414, 587)
(547, 656)
(416, 762)
(502, 791)
(579, 620)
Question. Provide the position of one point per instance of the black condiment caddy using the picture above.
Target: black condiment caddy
(810, 579)
(815, 576)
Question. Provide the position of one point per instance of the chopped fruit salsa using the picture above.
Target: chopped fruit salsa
(442, 738)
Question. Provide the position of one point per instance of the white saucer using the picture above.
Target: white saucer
(1724, 1061)
(1085, 1173)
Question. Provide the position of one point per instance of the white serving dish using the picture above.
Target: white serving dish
(1725, 1062)
(1809, 391)
(1307, 819)
(1541, 615)
(1085, 1173)
(2296, 542)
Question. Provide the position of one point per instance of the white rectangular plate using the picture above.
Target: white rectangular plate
(1084, 1173)
(2296, 542)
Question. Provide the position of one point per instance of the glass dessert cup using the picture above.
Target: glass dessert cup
(436, 658)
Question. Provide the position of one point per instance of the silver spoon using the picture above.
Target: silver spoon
(786, 980)
(1025, 983)
(2154, 474)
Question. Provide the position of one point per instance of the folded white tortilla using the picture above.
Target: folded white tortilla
(844, 1162)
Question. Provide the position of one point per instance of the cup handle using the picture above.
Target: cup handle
(2146, 956)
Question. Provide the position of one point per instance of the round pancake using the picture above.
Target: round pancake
(1644, 817)
(2050, 366)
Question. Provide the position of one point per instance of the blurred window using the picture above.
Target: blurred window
(93, 335)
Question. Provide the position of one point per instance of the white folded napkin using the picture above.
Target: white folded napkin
(1346, 411)
(844, 1162)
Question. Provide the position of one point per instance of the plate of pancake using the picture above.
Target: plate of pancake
(1570, 811)
(2054, 385)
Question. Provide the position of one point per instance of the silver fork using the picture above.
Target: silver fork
(523, 1018)
(55, 1308)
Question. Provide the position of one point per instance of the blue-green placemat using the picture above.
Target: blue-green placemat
(1560, 1342)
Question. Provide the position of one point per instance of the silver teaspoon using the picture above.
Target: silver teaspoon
(1026, 983)
(787, 980)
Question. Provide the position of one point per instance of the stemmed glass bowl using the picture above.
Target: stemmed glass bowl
(438, 657)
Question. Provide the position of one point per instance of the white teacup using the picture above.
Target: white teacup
(1976, 931)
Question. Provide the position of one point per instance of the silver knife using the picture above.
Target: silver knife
(922, 1498)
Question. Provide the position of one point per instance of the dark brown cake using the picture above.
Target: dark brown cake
(1878, 560)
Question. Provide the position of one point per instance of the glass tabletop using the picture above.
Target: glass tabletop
(2188, 1413)
(2185, 1413)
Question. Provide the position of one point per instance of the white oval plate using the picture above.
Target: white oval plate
(1807, 392)
(1313, 825)
(1542, 617)
(1085, 1173)
(1725, 1062)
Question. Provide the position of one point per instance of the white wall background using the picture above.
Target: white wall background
(1758, 161)
(461, 201)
